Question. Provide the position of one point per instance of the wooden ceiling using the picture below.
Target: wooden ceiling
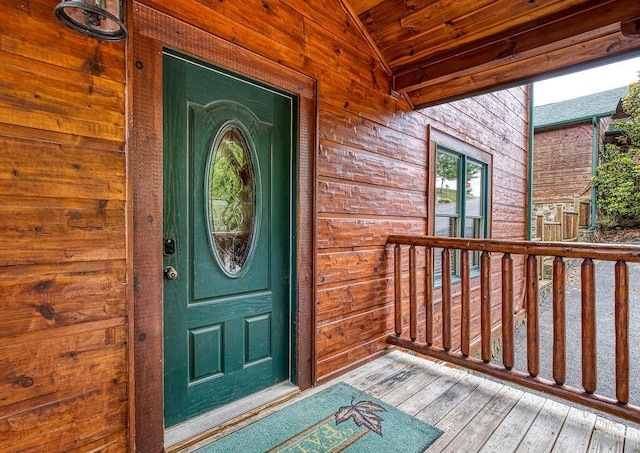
(440, 50)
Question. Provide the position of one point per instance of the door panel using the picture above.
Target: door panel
(227, 204)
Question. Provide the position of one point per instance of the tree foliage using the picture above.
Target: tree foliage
(617, 179)
(631, 127)
(618, 189)
(446, 168)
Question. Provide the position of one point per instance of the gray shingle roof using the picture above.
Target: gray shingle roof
(598, 104)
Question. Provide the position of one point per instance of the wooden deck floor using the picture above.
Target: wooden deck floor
(477, 414)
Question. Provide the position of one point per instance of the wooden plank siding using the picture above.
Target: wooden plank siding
(563, 159)
(481, 121)
(66, 209)
(63, 303)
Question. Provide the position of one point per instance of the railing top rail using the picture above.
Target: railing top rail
(608, 252)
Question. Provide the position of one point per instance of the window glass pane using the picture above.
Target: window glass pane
(445, 227)
(473, 190)
(231, 200)
(473, 228)
(447, 176)
(437, 261)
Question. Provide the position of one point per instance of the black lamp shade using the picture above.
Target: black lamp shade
(101, 19)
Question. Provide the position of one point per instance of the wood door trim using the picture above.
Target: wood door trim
(152, 31)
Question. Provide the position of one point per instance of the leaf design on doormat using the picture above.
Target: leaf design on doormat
(363, 414)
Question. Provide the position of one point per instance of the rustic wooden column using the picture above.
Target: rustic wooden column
(507, 312)
(622, 331)
(413, 295)
(465, 304)
(559, 322)
(397, 268)
(428, 294)
(533, 331)
(446, 299)
(589, 356)
(485, 305)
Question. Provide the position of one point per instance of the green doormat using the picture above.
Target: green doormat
(339, 418)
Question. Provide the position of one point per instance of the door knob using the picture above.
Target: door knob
(170, 273)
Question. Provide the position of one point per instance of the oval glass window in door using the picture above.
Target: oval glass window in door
(231, 197)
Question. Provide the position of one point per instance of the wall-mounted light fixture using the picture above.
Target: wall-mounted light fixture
(101, 19)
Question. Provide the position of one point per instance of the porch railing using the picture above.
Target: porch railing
(530, 251)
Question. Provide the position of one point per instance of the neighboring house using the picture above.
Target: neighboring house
(201, 211)
(568, 137)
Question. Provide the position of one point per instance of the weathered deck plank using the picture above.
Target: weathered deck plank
(412, 386)
(576, 432)
(451, 398)
(607, 436)
(379, 374)
(632, 440)
(463, 413)
(511, 431)
(544, 431)
(395, 381)
(475, 414)
(476, 433)
(429, 393)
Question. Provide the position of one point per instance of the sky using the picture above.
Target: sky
(586, 82)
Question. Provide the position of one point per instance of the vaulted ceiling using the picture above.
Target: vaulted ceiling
(440, 50)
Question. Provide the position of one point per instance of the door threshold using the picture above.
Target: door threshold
(206, 425)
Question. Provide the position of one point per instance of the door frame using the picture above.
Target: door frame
(152, 32)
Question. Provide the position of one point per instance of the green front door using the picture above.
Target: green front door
(227, 236)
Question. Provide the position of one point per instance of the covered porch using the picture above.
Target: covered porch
(436, 371)
(376, 91)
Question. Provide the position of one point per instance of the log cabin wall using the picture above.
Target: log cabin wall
(562, 161)
(497, 125)
(63, 331)
(65, 207)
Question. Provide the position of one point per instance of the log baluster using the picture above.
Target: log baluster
(533, 329)
(413, 295)
(589, 358)
(508, 357)
(428, 294)
(619, 254)
(465, 304)
(485, 305)
(559, 324)
(397, 263)
(622, 331)
(446, 299)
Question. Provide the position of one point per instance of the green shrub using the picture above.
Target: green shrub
(617, 184)
(617, 180)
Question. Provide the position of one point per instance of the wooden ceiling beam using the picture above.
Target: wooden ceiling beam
(360, 6)
(465, 23)
(347, 7)
(631, 29)
(512, 73)
(517, 44)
